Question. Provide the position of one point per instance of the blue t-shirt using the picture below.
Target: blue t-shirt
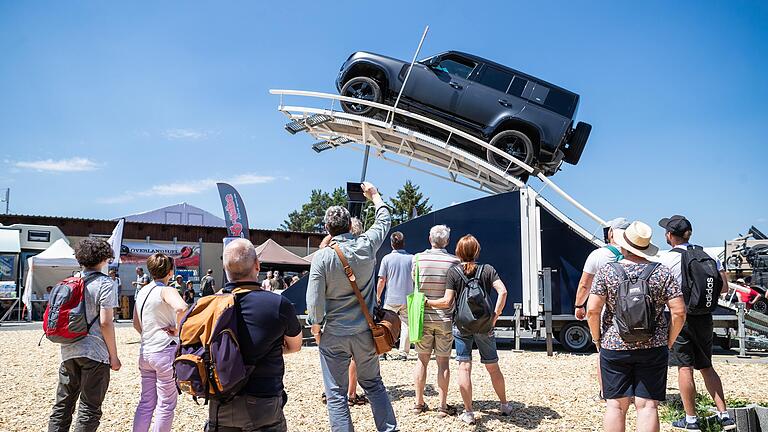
(396, 266)
(266, 318)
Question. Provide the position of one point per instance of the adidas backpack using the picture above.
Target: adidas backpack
(65, 319)
(702, 283)
(474, 313)
(208, 361)
(634, 312)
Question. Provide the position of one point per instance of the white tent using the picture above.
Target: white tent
(48, 267)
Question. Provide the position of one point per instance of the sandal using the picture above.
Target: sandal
(448, 411)
(419, 409)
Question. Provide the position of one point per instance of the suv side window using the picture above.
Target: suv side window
(539, 94)
(495, 78)
(456, 66)
(517, 86)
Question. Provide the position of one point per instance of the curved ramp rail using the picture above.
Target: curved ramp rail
(406, 147)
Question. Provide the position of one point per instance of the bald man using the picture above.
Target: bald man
(264, 337)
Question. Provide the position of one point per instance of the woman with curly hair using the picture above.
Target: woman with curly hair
(85, 363)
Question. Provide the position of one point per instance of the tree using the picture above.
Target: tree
(408, 203)
(310, 217)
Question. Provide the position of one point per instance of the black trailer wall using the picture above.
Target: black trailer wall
(495, 221)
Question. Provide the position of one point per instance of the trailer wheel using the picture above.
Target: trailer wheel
(575, 337)
(761, 306)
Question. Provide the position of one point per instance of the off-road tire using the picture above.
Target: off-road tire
(514, 143)
(364, 88)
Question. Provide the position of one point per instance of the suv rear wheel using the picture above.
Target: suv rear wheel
(361, 88)
(514, 143)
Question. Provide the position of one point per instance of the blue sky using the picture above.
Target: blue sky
(108, 109)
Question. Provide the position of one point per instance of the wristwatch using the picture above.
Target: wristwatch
(581, 306)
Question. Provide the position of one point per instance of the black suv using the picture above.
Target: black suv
(524, 116)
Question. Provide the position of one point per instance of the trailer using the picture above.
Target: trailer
(538, 251)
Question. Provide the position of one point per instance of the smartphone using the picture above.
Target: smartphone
(355, 192)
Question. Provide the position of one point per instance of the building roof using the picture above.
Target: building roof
(178, 214)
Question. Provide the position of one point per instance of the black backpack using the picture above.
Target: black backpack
(474, 313)
(634, 312)
(702, 283)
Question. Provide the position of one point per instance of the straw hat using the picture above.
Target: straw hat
(636, 239)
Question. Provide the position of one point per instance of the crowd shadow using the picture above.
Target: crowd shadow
(406, 391)
(526, 417)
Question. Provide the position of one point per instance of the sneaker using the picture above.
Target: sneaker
(506, 409)
(467, 417)
(726, 423)
(682, 424)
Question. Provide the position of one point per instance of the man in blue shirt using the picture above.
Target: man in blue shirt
(395, 275)
(267, 329)
(338, 323)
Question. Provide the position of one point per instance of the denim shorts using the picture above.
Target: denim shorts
(486, 344)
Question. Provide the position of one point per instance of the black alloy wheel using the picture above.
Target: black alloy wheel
(514, 143)
(361, 88)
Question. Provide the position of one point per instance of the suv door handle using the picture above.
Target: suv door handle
(505, 102)
(455, 85)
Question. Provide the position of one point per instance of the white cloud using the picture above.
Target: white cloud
(75, 164)
(189, 187)
(184, 134)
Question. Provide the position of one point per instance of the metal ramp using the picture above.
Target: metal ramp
(335, 128)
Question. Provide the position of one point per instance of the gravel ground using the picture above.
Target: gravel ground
(549, 394)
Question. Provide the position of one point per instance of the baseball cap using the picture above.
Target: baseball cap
(618, 223)
(676, 224)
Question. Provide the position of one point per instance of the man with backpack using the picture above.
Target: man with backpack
(88, 347)
(267, 328)
(595, 261)
(336, 316)
(632, 334)
(702, 279)
(207, 284)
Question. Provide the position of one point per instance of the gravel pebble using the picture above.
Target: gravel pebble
(548, 393)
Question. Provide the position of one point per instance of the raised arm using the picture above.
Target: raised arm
(378, 230)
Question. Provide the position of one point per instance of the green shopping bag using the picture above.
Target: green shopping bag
(415, 304)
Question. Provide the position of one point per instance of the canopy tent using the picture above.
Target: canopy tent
(311, 256)
(48, 267)
(272, 255)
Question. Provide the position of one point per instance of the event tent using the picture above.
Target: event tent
(272, 255)
(48, 267)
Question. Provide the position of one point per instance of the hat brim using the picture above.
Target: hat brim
(664, 222)
(650, 252)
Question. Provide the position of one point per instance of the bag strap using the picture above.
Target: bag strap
(619, 256)
(417, 280)
(144, 303)
(648, 271)
(618, 268)
(460, 270)
(86, 280)
(353, 283)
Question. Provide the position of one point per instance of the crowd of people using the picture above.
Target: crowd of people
(632, 366)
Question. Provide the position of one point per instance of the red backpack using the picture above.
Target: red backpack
(65, 320)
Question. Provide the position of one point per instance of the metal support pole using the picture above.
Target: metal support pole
(546, 273)
(742, 331)
(7, 199)
(365, 163)
(518, 312)
(407, 74)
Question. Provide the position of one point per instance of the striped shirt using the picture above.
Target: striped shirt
(433, 269)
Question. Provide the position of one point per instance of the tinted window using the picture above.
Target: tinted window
(561, 102)
(495, 78)
(456, 66)
(539, 94)
(517, 87)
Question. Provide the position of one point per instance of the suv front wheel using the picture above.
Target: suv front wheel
(361, 88)
(514, 143)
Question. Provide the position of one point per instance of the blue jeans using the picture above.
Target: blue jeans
(335, 355)
(486, 344)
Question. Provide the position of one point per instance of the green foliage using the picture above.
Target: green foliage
(672, 410)
(405, 201)
(310, 217)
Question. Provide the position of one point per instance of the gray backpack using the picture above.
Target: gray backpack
(634, 312)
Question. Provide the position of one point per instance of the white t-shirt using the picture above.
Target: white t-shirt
(597, 259)
(672, 260)
(154, 315)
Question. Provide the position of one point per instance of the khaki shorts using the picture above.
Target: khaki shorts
(438, 337)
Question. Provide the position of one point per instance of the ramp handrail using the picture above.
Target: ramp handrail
(451, 131)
